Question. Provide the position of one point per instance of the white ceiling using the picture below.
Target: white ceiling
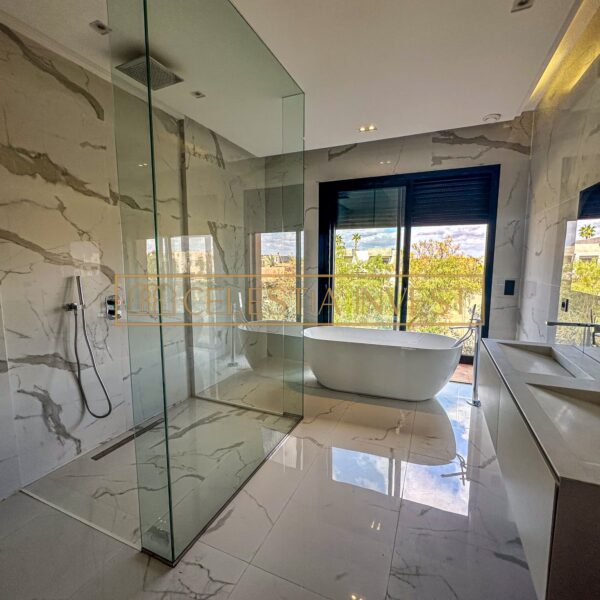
(206, 42)
(409, 66)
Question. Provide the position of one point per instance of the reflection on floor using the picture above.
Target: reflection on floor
(249, 389)
(261, 386)
(369, 498)
(209, 442)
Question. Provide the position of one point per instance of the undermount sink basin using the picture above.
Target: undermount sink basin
(576, 415)
(539, 360)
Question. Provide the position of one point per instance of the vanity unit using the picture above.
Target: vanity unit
(542, 407)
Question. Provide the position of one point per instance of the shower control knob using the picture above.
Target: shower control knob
(113, 312)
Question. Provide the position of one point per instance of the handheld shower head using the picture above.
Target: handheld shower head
(79, 290)
(81, 307)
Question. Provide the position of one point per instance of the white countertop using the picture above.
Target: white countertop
(547, 384)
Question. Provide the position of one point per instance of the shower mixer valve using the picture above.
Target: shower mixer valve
(73, 306)
(112, 304)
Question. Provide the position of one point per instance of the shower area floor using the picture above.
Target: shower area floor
(209, 442)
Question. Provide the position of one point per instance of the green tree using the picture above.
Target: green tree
(587, 231)
(444, 283)
(356, 238)
(363, 289)
(585, 277)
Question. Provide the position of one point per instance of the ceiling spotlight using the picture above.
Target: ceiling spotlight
(197, 94)
(492, 118)
(385, 162)
(142, 164)
(367, 128)
(100, 27)
(521, 5)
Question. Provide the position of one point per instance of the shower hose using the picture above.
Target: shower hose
(75, 308)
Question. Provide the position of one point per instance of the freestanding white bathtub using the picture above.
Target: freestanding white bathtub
(270, 339)
(394, 364)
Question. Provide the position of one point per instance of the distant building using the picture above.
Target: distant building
(587, 249)
(584, 250)
(387, 254)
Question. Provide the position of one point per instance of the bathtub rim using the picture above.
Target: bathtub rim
(307, 335)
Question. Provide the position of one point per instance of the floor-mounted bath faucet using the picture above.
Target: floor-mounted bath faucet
(473, 328)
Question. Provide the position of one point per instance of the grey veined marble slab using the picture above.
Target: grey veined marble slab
(367, 497)
(213, 449)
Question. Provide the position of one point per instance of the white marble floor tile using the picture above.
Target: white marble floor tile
(50, 556)
(444, 555)
(367, 499)
(321, 414)
(203, 573)
(442, 425)
(336, 536)
(257, 584)
(213, 449)
(249, 389)
(17, 510)
(455, 538)
(246, 522)
(375, 424)
(101, 492)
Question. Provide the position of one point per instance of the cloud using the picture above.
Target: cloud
(471, 238)
(282, 243)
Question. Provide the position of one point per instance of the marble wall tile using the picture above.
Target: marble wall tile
(59, 217)
(10, 476)
(506, 144)
(219, 177)
(66, 210)
(138, 232)
(565, 159)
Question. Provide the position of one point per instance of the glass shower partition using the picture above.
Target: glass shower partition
(209, 134)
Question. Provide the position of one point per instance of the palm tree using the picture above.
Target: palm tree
(587, 231)
(356, 239)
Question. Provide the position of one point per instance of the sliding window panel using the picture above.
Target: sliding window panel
(369, 238)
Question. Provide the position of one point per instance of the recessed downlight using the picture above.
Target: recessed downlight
(100, 27)
(492, 118)
(521, 5)
(367, 128)
(385, 162)
(198, 94)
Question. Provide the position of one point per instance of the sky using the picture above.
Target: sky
(470, 237)
(594, 222)
(283, 243)
(425, 480)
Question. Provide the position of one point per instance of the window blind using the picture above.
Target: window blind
(456, 200)
(368, 208)
(589, 202)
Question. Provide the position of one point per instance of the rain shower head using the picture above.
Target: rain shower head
(160, 76)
